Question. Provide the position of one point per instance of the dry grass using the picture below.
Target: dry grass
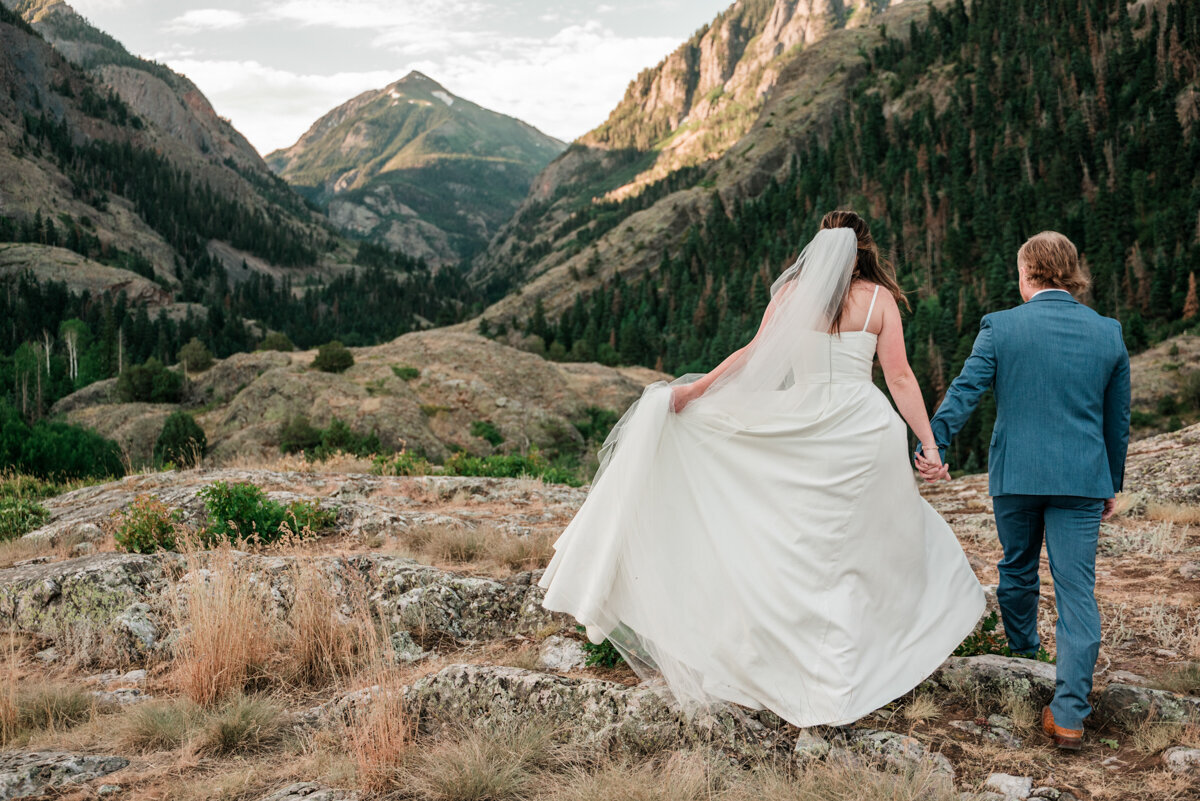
(483, 547)
(1164, 539)
(243, 724)
(321, 645)
(1152, 736)
(1025, 716)
(477, 764)
(227, 634)
(58, 548)
(378, 737)
(159, 725)
(922, 708)
(338, 463)
(1181, 514)
(1184, 679)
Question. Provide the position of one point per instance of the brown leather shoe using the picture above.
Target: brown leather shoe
(1066, 739)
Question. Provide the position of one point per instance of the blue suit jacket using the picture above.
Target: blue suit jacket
(1060, 373)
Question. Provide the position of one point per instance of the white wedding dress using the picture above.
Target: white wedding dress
(772, 552)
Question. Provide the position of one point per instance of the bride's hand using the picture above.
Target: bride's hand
(681, 396)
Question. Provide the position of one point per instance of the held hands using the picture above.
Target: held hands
(929, 465)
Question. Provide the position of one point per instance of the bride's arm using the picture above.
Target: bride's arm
(684, 394)
(900, 379)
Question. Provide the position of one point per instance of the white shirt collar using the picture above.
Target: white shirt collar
(1043, 291)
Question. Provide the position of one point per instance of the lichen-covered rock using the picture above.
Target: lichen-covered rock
(1167, 467)
(1129, 704)
(810, 747)
(29, 773)
(897, 751)
(115, 608)
(1182, 760)
(995, 677)
(599, 713)
(308, 791)
(95, 604)
(996, 729)
(1011, 787)
(561, 654)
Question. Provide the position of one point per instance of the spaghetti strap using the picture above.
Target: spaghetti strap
(874, 297)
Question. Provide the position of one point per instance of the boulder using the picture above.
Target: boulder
(1182, 760)
(1011, 787)
(30, 773)
(891, 749)
(599, 713)
(308, 791)
(561, 654)
(1129, 704)
(995, 677)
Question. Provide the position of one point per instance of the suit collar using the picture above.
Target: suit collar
(1053, 294)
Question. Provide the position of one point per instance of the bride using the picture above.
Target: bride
(755, 534)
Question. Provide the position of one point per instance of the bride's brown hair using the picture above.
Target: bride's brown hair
(870, 266)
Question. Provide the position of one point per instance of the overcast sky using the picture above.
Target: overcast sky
(275, 66)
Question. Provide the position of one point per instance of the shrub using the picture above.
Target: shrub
(603, 655)
(1167, 405)
(151, 382)
(195, 357)
(1189, 390)
(511, 465)
(159, 725)
(62, 452)
(242, 511)
(242, 725)
(148, 525)
(487, 431)
(19, 516)
(297, 435)
(405, 372)
(276, 340)
(45, 706)
(986, 640)
(181, 441)
(1140, 419)
(595, 423)
(333, 357)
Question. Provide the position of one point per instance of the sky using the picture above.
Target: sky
(274, 66)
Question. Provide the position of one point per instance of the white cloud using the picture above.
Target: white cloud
(374, 14)
(207, 19)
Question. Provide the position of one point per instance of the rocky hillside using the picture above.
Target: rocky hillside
(629, 189)
(418, 168)
(489, 685)
(422, 392)
(106, 96)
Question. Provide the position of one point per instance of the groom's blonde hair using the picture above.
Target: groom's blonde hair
(1051, 260)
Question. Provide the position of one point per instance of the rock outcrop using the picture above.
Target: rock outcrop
(29, 774)
(463, 378)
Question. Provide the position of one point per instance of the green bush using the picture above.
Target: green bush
(19, 516)
(595, 423)
(242, 511)
(1167, 405)
(333, 357)
(603, 655)
(986, 640)
(1140, 419)
(299, 435)
(62, 452)
(485, 430)
(181, 442)
(405, 372)
(1189, 390)
(148, 525)
(277, 341)
(195, 357)
(151, 382)
(509, 465)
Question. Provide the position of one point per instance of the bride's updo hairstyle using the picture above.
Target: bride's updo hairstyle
(870, 266)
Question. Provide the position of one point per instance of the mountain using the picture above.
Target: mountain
(132, 226)
(624, 191)
(958, 136)
(418, 168)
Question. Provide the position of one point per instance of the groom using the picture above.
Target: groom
(1060, 373)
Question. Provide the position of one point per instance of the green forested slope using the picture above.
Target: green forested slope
(980, 127)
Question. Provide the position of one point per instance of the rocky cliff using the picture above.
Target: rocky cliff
(720, 115)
